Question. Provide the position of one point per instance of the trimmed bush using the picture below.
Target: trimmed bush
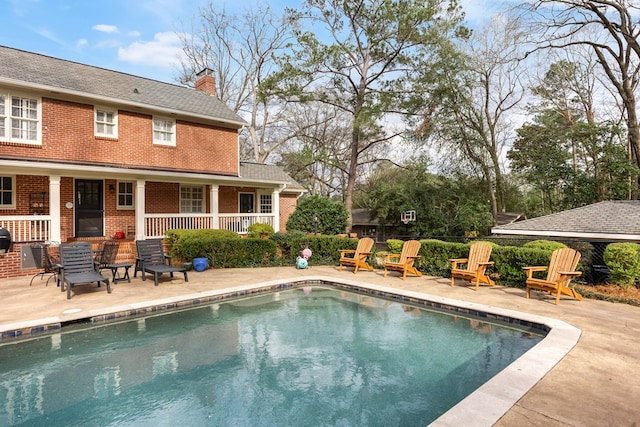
(223, 248)
(547, 245)
(623, 262)
(259, 230)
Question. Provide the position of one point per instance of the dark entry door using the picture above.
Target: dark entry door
(89, 210)
(246, 203)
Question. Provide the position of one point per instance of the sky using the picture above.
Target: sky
(131, 36)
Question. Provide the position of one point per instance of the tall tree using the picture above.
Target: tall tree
(473, 116)
(359, 56)
(611, 29)
(240, 49)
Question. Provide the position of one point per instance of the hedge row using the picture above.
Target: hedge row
(226, 249)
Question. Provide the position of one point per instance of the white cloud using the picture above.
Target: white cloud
(163, 51)
(81, 43)
(104, 28)
(44, 32)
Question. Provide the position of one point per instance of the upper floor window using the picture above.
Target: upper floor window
(125, 195)
(106, 122)
(20, 118)
(164, 131)
(266, 203)
(191, 199)
(7, 192)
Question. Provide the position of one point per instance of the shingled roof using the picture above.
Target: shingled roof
(18, 67)
(268, 173)
(609, 220)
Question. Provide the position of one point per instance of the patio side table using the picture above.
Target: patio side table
(116, 276)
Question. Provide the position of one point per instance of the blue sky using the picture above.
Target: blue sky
(131, 36)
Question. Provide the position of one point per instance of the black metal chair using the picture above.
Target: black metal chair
(152, 259)
(107, 260)
(43, 259)
(79, 267)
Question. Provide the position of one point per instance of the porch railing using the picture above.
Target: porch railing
(240, 222)
(156, 225)
(27, 228)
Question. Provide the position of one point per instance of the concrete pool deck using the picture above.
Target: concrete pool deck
(594, 384)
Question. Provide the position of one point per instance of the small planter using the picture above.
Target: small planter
(200, 264)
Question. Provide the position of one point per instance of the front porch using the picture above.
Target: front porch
(38, 228)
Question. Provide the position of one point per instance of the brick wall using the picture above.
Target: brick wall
(10, 264)
(288, 203)
(68, 134)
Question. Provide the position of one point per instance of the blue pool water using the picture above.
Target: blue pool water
(312, 357)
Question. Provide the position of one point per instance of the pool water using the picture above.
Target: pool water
(313, 357)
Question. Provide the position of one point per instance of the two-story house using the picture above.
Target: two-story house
(87, 152)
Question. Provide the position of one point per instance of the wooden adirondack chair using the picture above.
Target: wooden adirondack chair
(476, 265)
(152, 259)
(560, 271)
(77, 266)
(357, 258)
(405, 260)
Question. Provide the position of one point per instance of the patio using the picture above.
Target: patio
(593, 385)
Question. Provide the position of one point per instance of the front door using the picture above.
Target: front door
(89, 208)
(246, 202)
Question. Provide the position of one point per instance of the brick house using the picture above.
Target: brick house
(87, 152)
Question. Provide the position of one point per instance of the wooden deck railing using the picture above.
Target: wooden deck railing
(156, 225)
(27, 228)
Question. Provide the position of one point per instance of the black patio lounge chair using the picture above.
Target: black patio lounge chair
(152, 259)
(77, 266)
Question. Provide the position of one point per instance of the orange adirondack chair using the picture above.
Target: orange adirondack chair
(476, 265)
(405, 260)
(357, 258)
(560, 271)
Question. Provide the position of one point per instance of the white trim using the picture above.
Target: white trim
(54, 207)
(114, 124)
(14, 193)
(133, 195)
(203, 200)
(568, 234)
(66, 169)
(8, 117)
(172, 133)
(253, 195)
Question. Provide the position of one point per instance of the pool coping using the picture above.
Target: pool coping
(483, 407)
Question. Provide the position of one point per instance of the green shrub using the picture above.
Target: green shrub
(285, 242)
(258, 230)
(623, 262)
(394, 246)
(325, 249)
(332, 217)
(547, 245)
(223, 248)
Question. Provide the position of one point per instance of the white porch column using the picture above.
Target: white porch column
(140, 209)
(214, 206)
(276, 209)
(54, 208)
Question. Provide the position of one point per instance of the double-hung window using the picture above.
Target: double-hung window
(164, 131)
(125, 195)
(191, 199)
(106, 123)
(7, 192)
(20, 118)
(266, 203)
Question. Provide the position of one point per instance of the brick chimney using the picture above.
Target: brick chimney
(206, 82)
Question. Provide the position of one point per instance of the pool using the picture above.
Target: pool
(158, 357)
